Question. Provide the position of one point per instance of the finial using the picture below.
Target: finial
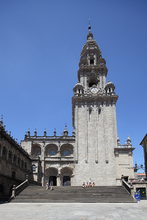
(54, 131)
(65, 132)
(90, 35)
(28, 132)
(73, 133)
(45, 132)
(35, 132)
(129, 143)
(118, 141)
(89, 26)
(65, 129)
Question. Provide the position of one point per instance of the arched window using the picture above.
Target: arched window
(14, 159)
(51, 150)
(36, 150)
(4, 153)
(18, 161)
(93, 81)
(10, 156)
(66, 150)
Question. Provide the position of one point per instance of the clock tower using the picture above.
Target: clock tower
(94, 119)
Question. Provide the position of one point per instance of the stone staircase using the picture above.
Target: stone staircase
(74, 194)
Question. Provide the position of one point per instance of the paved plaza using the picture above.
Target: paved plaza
(74, 211)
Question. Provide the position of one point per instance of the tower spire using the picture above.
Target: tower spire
(90, 35)
(89, 26)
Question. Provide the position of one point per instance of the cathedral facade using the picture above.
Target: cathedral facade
(93, 152)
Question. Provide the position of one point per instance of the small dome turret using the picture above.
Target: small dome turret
(78, 89)
(110, 88)
(65, 132)
(129, 142)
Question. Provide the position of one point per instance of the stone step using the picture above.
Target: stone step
(80, 200)
(74, 194)
(76, 190)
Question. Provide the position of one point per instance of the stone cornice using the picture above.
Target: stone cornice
(49, 138)
(95, 98)
(123, 149)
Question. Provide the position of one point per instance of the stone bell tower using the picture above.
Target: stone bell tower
(94, 119)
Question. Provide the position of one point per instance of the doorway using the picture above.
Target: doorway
(66, 181)
(142, 192)
(52, 181)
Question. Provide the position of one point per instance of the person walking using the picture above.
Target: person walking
(46, 186)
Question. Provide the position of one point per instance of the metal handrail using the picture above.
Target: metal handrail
(19, 188)
(127, 186)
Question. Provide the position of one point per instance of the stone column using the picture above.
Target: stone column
(58, 180)
(43, 163)
(77, 132)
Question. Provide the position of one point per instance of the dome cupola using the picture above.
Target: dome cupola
(90, 52)
(78, 89)
(110, 88)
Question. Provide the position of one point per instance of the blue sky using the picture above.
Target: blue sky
(40, 46)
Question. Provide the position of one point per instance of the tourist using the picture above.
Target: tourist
(93, 184)
(84, 185)
(90, 185)
(87, 185)
(46, 186)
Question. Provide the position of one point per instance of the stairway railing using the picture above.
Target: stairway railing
(126, 185)
(17, 189)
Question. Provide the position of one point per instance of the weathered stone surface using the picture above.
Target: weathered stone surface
(72, 194)
(94, 153)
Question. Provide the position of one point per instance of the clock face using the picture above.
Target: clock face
(94, 90)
